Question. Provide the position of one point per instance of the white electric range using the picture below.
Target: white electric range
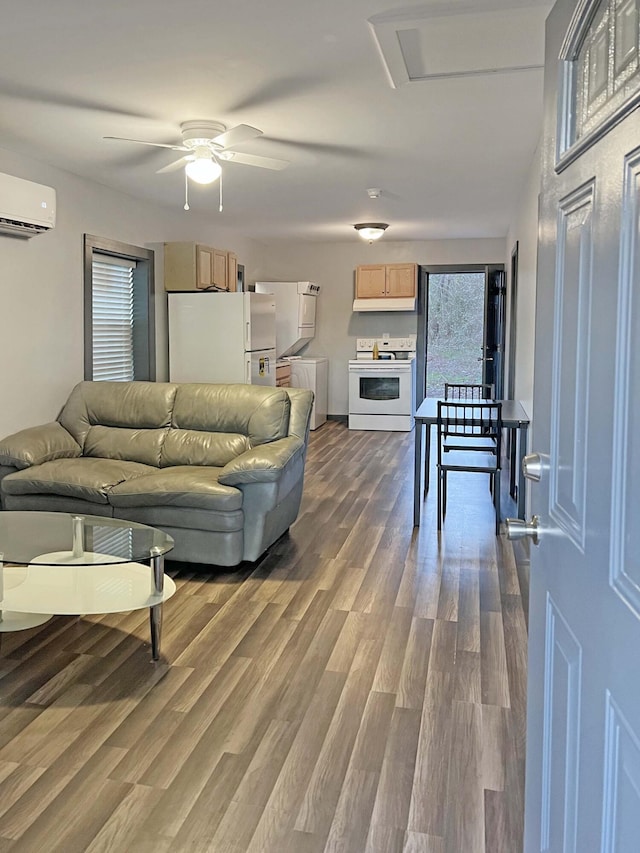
(382, 391)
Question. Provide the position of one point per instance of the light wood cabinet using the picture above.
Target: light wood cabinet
(220, 269)
(402, 280)
(371, 281)
(381, 281)
(283, 375)
(204, 267)
(232, 271)
(194, 266)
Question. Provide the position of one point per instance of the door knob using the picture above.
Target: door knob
(519, 529)
(533, 466)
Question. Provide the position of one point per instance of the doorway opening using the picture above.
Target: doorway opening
(455, 330)
(461, 327)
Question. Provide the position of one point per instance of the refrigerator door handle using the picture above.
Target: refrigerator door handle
(248, 335)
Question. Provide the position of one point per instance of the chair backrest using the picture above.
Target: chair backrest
(468, 391)
(471, 419)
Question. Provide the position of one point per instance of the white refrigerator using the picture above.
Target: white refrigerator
(222, 337)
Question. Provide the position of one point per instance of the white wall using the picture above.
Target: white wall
(524, 230)
(41, 288)
(332, 265)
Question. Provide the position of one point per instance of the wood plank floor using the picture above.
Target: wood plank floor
(360, 689)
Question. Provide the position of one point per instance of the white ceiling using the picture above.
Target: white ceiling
(354, 93)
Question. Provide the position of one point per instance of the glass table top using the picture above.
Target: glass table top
(60, 538)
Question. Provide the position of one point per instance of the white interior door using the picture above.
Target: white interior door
(583, 729)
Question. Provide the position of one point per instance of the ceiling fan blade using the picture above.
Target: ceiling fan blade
(143, 142)
(173, 167)
(236, 135)
(253, 160)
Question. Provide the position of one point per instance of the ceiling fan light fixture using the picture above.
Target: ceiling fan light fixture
(371, 230)
(203, 170)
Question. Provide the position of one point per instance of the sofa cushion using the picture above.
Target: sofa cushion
(135, 445)
(180, 486)
(131, 405)
(261, 414)
(86, 478)
(192, 447)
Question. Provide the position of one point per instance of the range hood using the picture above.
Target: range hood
(407, 303)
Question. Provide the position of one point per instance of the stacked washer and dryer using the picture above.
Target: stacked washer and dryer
(295, 326)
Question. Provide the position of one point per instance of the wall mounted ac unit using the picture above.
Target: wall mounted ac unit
(26, 208)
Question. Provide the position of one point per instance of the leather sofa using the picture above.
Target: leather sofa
(218, 467)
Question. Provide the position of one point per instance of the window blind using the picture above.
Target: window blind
(112, 318)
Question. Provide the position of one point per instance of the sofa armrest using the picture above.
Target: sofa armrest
(263, 464)
(38, 444)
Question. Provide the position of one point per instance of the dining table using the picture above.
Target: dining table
(514, 419)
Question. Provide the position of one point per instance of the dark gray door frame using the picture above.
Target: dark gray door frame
(424, 271)
(513, 322)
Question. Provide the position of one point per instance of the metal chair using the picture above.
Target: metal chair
(458, 423)
(468, 391)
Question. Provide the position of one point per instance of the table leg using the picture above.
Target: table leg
(155, 612)
(522, 449)
(513, 458)
(427, 457)
(417, 472)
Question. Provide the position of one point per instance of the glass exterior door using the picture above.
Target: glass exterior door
(455, 329)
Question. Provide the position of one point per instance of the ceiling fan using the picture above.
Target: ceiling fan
(207, 144)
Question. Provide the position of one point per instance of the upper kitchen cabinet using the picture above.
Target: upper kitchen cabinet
(193, 266)
(402, 280)
(381, 281)
(371, 281)
(220, 278)
(232, 271)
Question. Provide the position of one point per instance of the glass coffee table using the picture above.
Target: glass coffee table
(55, 563)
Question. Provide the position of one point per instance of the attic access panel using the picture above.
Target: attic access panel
(441, 44)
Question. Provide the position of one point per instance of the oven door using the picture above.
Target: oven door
(380, 390)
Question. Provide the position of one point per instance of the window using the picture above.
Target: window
(601, 70)
(119, 316)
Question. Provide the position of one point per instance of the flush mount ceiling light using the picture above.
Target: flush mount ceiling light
(371, 230)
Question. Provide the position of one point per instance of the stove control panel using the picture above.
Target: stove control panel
(407, 344)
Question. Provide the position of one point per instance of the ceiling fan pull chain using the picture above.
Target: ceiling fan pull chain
(220, 187)
(186, 191)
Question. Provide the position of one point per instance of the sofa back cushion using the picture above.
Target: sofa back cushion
(196, 447)
(134, 405)
(133, 445)
(259, 413)
(120, 420)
